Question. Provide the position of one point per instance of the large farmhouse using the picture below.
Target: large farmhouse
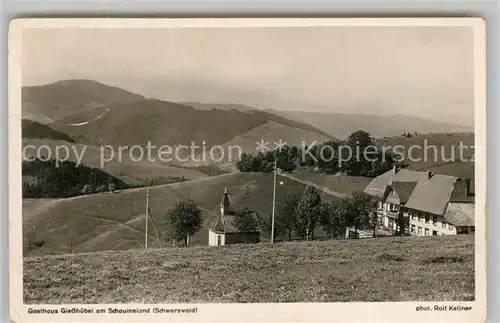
(426, 203)
(224, 232)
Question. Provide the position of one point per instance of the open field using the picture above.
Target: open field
(342, 184)
(385, 269)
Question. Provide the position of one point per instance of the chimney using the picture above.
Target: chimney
(429, 174)
(467, 187)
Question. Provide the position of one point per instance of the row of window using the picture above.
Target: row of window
(426, 218)
(388, 206)
(419, 231)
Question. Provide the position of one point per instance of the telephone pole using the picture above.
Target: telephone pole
(274, 200)
(147, 219)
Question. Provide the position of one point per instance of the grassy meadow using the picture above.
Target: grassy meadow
(365, 270)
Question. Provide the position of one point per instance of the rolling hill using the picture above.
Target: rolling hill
(124, 168)
(49, 102)
(100, 222)
(36, 130)
(340, 125)
(271, 131)
(166, 123)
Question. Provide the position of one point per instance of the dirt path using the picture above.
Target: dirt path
(319, 187)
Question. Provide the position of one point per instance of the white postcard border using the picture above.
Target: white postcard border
(354, 311)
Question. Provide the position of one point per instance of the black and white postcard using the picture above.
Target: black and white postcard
(249, 169)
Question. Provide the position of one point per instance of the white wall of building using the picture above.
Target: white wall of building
(435, 223)
(213, 238)
(418, 220)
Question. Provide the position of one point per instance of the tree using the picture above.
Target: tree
(245, 163)
(327, 156)
(247, 220)
(403, 223)
(286, 217)
(363, 212)
(309, 211)
(184, 220)
(357, 144)
(334, 219)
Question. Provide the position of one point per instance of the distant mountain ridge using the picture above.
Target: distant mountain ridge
(219, 106)
(49, 102)
(340, 125)
(94, 113)
(169, 123)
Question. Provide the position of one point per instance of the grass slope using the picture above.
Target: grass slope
(271, 132)
(36, 130)
(338, 183)
(116, 221)
(367, 270)
(340, 125)
(52, 101)
(436, 160)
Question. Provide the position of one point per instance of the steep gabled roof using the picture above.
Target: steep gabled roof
(404, 190)
(225, 223)
(378, 185)
(430, 194)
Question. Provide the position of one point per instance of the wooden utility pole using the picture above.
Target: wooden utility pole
(154, 227)
(274, 200)
(147, 219)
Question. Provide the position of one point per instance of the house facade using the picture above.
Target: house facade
(224, 232)
(423, 203)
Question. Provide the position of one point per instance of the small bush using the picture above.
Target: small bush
(389, 257)
(444, 260)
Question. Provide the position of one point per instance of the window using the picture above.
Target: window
(218, 240)
(413, 228)
(419, 230)
(427, 218)
(434, 220)
(426, 231)
(420, 217)
(434, 233)
(443, 225)
(450, 226)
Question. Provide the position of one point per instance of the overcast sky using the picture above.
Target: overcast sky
(423, 71)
